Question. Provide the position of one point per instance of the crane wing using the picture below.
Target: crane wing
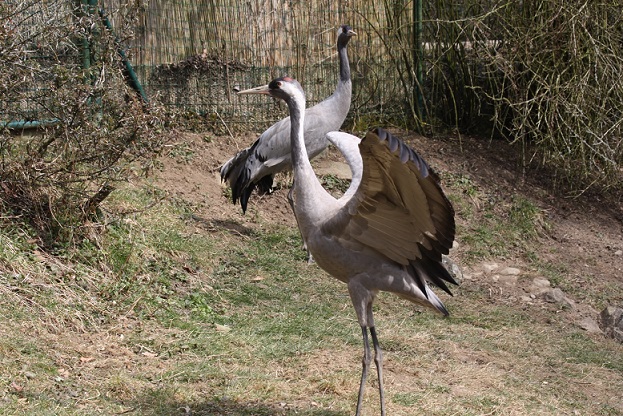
(270, 154)
(399, 209)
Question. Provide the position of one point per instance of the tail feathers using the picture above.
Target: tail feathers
(425, 271)
(436, 272)
(265, 184)
(237, 173)
(230, 171)
(241, 187)
(244, 190)
(243, 195)
(436, 302)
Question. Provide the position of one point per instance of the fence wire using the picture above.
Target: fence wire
(546, 73)
(23, 31)
(192, 54)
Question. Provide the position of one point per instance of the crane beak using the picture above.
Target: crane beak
(351, 33)
(257, 90)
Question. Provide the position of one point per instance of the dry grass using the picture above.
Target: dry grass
(189, 305)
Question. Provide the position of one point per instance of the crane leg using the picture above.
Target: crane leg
(367, 357)
(310, 258)
(378, 360)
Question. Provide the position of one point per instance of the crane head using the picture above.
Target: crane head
(283, 87)
(345, 32)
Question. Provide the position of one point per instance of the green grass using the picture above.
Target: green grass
(495, 226)
(163, 310)
(334, 185)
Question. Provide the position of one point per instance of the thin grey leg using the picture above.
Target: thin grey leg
(378, 360)
(366, 366)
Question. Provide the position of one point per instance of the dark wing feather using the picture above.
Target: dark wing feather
(248, 169)
(400, 209)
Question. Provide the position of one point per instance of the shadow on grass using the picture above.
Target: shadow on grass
(159, 406)
(231, 226)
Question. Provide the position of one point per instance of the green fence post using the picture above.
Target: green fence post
(133, 78)
(418, 56)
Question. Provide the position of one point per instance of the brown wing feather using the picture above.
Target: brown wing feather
(399, 209)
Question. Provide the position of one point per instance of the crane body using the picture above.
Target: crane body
(256, 165)
(388, 231)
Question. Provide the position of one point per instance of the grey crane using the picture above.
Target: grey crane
(388, 232)
(256, 166)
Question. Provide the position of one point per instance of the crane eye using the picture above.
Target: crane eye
(279, 84)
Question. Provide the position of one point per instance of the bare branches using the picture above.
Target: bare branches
(565, 91)
(546, 73)
(66, 70)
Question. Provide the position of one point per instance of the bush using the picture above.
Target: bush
(546, 74)
(562, 85)
(543, 73)
(61, 67)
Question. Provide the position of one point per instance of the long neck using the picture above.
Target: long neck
(344, 89)
(344, 64)
(296, 105)
(309, 191)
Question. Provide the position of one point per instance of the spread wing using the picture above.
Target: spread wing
(399, 209)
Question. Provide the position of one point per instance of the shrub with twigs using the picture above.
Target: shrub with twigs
(555, 83)
(547, 74)
(60, 70)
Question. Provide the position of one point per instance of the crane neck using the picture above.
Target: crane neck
(309, 191)
(343, 58)
(296, 106)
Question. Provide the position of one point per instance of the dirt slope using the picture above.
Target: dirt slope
(584, 234)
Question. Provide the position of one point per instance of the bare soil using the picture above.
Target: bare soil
(582, 239)
(584, 233)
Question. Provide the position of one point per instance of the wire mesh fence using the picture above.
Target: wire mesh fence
(24, 33)
(542, 72)
(192, 54)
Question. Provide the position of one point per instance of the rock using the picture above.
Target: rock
(508, 276)
(339, 169)
(611, 321)
(553, 295)
(612, 317)
(558, 296)
(505, 280)
(618, 253)
(489, 267)
(590, 325)
(222, 328)
(476, 275)
(452, 268)
(510, 271)
(539, 285)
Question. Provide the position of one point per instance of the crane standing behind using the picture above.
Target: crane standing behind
(256, 166)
